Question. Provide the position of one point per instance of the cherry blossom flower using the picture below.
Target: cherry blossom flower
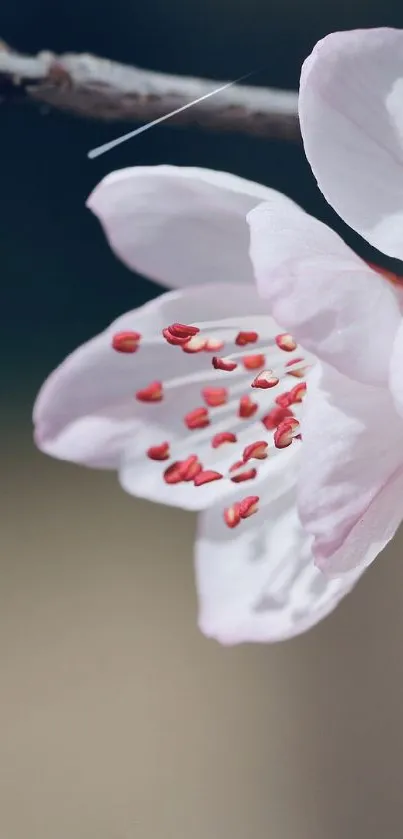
(196, 398)
(335, 305)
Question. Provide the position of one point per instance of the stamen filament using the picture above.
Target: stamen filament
(206, 376)
(246, 324)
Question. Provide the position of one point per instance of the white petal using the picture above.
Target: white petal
(258, 582)
(350, 484)
(396, 371)
(180, 226)
(321, 292)
(351, 114)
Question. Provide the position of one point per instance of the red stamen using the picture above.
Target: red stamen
(126, 342)
(297, 393)
(247, 408)
(223, 437)
(190, 468)
(198, 418)
(241, 510)
(265, 379)
(247, 475)
(152, 393)
(244, 338)
(286, 342)
(183, 330)
(248, 506)
(236, 466)
(283, 399)
(285, 432)
(275, 417)
(253, 362)
(256, 450)
(206, 477)
(223, 364)
(299, 373)
(173, 339)
(215, 396)
(293, 361)
(172, 474)
(232, 516)
(160, 452)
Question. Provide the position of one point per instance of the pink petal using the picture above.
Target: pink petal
(351, 113)
(321, 292)
(258, 582)
(86, 411)
(351, 480)
(396, 371)
(180, 226)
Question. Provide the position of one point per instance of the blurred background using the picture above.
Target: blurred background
(118, 720)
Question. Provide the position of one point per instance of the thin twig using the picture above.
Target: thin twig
(101, 89)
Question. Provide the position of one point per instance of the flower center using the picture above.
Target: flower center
(250, 387)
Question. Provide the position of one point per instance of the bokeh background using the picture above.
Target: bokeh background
(118, 720)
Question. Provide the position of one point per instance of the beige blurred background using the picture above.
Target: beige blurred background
(120, 721)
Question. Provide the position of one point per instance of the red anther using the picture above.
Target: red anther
(286, 342)
(198, 418)
(293, 361)
(215, 396)
(232, 516)
(285, 432)
(247, 408)
(235, 466)
(206, 477)
(265, 379)
(244, 338)
(256, 450)
(297, 393)
(223, 363)
(299, 373)
(275, 416)
(253, 362)
(126, 342)
(160, 452)
(172, 474)
(223, 437)
(247, 475)
(182, 330)
(152, 393)
(189, 468)
(248, 506)
(283, 399)
(172, 339)
(194, 344)
(213, 345)
(241, 510)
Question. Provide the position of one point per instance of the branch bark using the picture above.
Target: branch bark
(97, 88)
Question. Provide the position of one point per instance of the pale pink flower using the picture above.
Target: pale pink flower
(256, 578)
(349, 316)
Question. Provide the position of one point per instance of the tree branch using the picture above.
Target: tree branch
(101, 89)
